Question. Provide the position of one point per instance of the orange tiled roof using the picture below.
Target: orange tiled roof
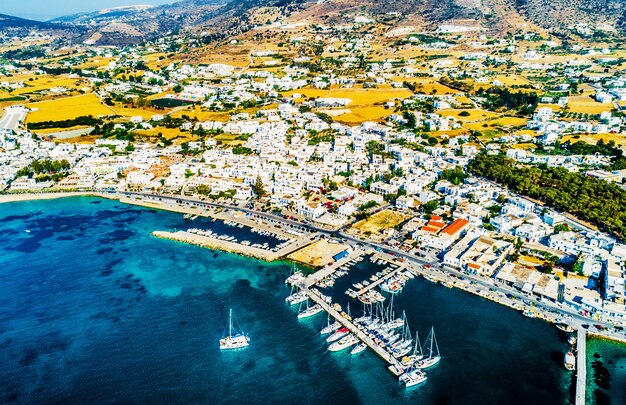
(455, 226)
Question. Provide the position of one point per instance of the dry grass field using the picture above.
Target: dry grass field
(584, 104)
(383, 220)
(67, 108)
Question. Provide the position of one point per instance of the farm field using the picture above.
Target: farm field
(67, 108)
(584, 104)
(359, 96)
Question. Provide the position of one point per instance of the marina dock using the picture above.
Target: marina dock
(331, 268)
(234, 247)
(581, 366)
(381, 280)
(352, 327)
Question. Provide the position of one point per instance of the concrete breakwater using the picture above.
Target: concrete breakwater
(218, 244)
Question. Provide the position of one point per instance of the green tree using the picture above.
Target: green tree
(258, 187)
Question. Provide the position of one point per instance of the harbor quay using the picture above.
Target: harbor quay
(235, 247)
(581, 367)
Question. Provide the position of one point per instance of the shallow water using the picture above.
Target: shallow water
(95, 310)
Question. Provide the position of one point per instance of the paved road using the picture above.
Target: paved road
(12, 117)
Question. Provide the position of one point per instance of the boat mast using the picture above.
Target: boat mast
(430, 353)
(436, 345)
(230, 322)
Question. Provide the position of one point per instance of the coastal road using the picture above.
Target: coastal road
(12, 117)
(489, 285)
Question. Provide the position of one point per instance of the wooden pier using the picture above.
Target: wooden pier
(353, 328)
(581, 366)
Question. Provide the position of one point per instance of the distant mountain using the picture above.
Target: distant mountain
(21, 26)
(134, 24)
(224, 18)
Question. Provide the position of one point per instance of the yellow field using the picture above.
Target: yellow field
(383, 220)
(168, 133)
(619, 139)
(584, 104)
(40, 83)
(362, 114)
(475, 115)
(67, 108)
(203, 115)
(359, 96)
(511, 80)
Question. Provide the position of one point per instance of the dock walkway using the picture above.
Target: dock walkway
(380, 280)
(581, 366)
(331, 268)
(354, 329)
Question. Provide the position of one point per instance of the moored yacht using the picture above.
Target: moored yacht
(570, 361)
(310, 311)
(343, 343)
(358, 349)
(413, 378)
(236, 341)
(338, 335)
(432, 359)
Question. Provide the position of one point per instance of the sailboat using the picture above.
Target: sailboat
(310, 311)
(236, 341)
(330, 327)
(431, 360)
(409, 361)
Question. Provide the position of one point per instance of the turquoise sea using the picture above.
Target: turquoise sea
(606, 372)
(93, 309)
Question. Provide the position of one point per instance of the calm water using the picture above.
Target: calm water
(95, 310)
(606, 372)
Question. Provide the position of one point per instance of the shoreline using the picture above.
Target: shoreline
(230, 247)
(21, 197)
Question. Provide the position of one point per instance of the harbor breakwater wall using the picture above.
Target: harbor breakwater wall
(218, 244)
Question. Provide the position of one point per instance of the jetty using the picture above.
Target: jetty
(353, 328)
(234, 247)
(331, 268)
(581, 366)
(381, 280)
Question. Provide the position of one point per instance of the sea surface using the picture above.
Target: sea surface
(93, 309)
(606, 372)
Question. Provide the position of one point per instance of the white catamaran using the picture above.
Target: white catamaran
(236, 341)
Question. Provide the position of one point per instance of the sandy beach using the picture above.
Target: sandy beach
(5, 198)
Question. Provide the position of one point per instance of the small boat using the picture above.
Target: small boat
(571, 340)
(413, 378)
(570, 361)
(430, 278)
(236, 341)
(565, 327)
(310, 311)
(343, 343)
(358, 349)
(340, 333)
(529, 313)
(330, 327)
(296, 298)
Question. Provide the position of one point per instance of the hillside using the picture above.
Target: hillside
(221, 19)
(21, 26)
